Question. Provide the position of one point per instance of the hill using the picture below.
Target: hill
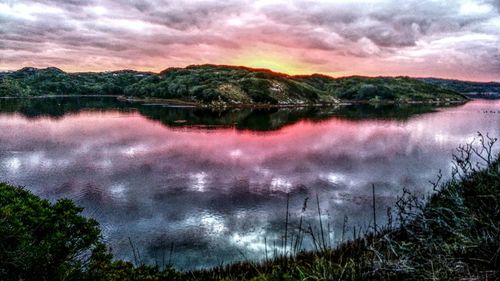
(488, 90)
(223, 85)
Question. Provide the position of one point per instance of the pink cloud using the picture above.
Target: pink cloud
(419, 38)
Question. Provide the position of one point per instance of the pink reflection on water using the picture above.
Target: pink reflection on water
(130, 134)
(142, 178)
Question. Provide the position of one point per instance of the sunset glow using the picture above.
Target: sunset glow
(449, 39)
(272, 64)
(273, 61)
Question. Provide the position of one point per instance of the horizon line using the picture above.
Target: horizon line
(254, 69)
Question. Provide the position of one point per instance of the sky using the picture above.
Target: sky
(450, 39)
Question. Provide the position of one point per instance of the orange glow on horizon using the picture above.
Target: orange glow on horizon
(273, 65)
(283, 64)
(273, 61)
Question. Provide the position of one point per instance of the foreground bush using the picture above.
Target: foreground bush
(39, 240)
(44, 241)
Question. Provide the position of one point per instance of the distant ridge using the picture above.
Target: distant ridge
(472, 89)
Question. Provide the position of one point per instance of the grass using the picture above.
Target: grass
(452, 235)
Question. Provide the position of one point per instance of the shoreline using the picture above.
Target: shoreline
(188, 104)
(60, 96)
(180, 103)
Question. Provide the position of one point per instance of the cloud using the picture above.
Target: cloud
(369, 37)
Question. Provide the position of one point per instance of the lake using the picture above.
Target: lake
(199, 188)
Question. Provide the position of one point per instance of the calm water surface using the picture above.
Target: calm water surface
(214, 184)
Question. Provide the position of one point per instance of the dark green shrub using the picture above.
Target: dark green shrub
(40, 240)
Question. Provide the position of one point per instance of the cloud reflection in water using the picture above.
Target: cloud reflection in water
(214, 193)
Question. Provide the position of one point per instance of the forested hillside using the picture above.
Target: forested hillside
(223, 85)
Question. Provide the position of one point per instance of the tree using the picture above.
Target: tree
(40, 240)
(11, 88)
